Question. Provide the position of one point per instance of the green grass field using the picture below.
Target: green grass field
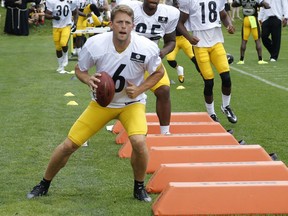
(35, 119)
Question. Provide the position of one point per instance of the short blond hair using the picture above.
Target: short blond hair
(122, 9)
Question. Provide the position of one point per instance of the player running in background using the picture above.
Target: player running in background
(61, 12)
(125, 56)
(87, 10)
(251, 26)
(205, 18)
(156, 21)
(185, 45)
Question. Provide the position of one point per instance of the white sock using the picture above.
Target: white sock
(226, 100)
(65, 59)
(60, 60)
(210, 108)
(165, 129)
(100, 19)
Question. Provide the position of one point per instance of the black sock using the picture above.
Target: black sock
(45, 183)
(138, 185)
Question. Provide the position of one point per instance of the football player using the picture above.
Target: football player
(61, 12)
(251, 25)
(204, 19)
(156, 21)
(86, 9)
(125, 56)
(185, 45)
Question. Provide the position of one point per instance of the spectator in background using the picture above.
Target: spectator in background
(16, 21)
(36, 14)
(272, 20)
(235, 10)
(228, 8)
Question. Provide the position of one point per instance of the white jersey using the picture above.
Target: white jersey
(63, 9)
(204, 20)
(154, 27)
(81, 4)
(141, 55)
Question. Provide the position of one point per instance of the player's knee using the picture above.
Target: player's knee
(226, 80)
(95, 10)
(163, 92)
(68, 146)
(208, 87)
(138, 144)
(65, 48)
(172, 63)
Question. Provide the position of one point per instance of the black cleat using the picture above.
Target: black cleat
(38, 190)
(141, 194)
(273, 156)
(214, 117)
(242, 142)
(229, 114)
(231, 131)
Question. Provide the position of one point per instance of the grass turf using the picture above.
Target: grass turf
(35, 118)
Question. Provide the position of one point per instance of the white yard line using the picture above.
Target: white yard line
(260, 79)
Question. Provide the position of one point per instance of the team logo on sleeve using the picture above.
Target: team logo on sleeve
(162, 19)
(137, 57)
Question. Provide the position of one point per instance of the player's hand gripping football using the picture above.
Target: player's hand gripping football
(93, 81)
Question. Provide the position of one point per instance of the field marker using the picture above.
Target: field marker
(72, 103)
(69, 94)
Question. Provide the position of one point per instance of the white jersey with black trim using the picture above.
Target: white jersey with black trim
(81, 4)
(63, 9)
(154, 27)
(141, 55)
(204, 20)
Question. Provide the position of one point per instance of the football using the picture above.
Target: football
(106, 89)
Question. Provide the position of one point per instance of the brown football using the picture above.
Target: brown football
(106, 89)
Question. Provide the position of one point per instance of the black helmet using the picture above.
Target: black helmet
(230, 58)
